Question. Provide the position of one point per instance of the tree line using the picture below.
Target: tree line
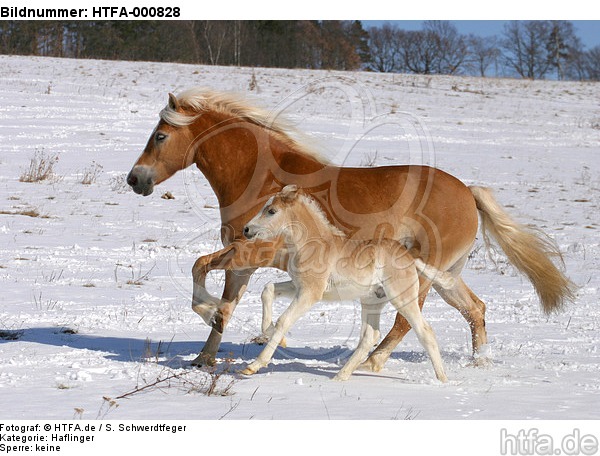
(527, 49)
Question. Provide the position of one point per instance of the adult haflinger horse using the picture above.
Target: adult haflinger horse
(247, 157)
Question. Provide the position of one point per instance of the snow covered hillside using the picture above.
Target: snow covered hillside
(95, 315)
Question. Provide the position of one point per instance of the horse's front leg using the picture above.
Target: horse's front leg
(298, 307)
(235, 286)
(203, 303)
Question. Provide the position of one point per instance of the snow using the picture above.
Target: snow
(95, 316)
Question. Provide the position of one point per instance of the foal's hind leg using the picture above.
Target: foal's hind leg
(369, 333)
(381, 354)
(406, 304)
(461, 298)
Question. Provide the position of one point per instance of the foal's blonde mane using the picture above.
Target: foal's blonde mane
(318, 214)
(200, 100)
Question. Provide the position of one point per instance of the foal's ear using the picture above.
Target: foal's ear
(173, 102)
(289, 193)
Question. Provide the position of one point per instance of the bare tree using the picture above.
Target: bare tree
(591, 64)
(451, 47)
(384, 49)
(237, 43)
(525, 48)
(419, 51)
(215, 33)
(192, 27)
(483, 52)
(563, 47)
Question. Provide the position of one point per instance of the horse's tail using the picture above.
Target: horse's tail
(528, 249)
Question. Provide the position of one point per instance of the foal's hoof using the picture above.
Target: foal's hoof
(260, 340)
(370, 365)
(263, 339)
(204, 360)
(341, 377)
(248, 371)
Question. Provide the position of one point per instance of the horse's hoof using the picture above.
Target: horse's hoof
(481, 361)
(204, 360)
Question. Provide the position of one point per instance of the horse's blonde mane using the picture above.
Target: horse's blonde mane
(200, 100)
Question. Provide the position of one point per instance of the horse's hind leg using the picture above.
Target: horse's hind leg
(469, 305)
(472, 309)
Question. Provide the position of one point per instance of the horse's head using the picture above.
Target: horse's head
(167, 151)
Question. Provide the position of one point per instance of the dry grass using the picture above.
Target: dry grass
(91, 174)
(26, 212)
(41, 168)
(369, 160)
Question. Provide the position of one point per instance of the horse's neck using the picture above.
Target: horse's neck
(240, 159)
(225, 155)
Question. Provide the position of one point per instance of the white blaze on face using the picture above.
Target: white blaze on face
(257, 226)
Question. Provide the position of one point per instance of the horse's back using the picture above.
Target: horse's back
(422, 205)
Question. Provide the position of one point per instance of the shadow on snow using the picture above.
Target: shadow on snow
(178, 354)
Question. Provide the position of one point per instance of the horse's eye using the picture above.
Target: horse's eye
(272, 211)
(160, 137)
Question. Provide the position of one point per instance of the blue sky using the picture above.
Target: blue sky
(588, 31)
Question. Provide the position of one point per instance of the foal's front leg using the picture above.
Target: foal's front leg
(301, 304)
(270, 291)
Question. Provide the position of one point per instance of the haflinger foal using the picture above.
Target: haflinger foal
(326, 265)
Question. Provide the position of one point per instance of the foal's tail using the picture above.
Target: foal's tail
(528, 249)
(440, 278)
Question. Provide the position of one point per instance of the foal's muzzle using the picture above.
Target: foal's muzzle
(248, 232)
(141, 180)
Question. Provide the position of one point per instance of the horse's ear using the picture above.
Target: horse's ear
(289, 193)
(173, 102)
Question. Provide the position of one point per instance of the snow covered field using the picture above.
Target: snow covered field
(95, 315)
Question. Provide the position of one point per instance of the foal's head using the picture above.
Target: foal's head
(291, 214)
(277, 216)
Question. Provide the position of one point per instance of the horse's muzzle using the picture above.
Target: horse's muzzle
(141, 180)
